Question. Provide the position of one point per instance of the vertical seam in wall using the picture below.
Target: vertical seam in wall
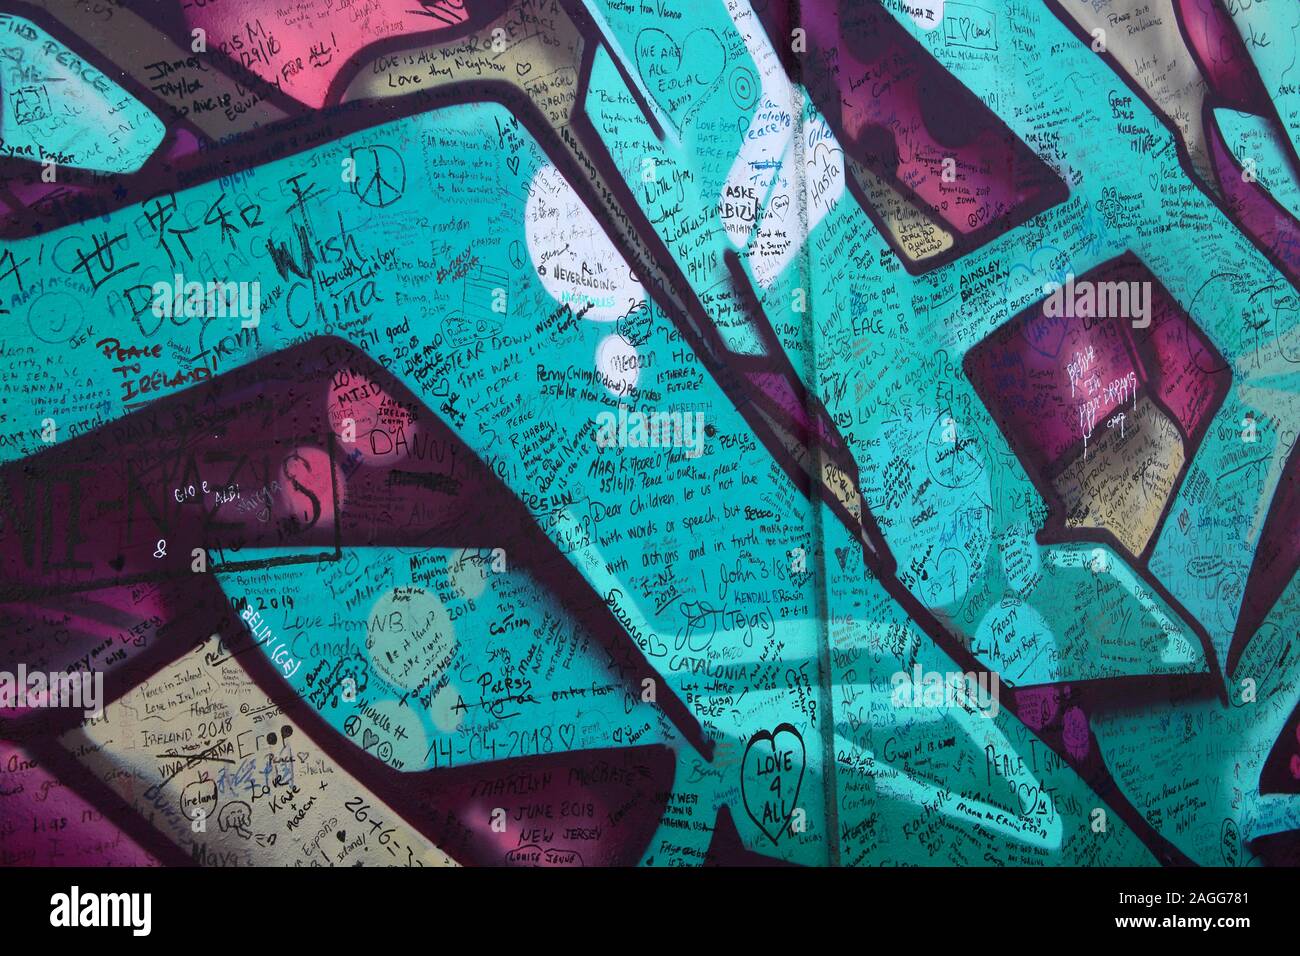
(816, 461)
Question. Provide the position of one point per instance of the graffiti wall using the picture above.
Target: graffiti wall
(649, 432)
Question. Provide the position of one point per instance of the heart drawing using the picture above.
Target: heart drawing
(770, 777)
(680, 76)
